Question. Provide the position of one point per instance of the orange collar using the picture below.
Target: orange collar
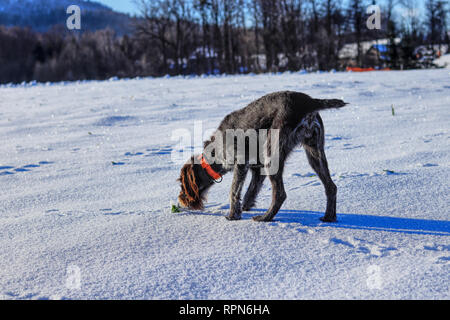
(205, 165)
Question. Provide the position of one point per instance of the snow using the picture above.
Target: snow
(443, 61)
(86, 182)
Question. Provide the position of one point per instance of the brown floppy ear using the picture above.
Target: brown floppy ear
(189, 195)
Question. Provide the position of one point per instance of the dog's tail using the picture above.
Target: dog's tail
(322, 104)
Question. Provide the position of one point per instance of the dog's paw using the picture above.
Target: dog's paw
(261, 219)
(328, 219)
(233, 218)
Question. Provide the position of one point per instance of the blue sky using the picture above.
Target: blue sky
(126, 6)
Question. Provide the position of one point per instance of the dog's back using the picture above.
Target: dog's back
(290, 106)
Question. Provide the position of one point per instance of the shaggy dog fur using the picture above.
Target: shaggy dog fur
(296, 117)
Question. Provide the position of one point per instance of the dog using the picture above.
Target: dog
(295, 118)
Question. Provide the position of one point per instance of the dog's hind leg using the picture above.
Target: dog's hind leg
(317, 160)
(253, 189)
(240, 172)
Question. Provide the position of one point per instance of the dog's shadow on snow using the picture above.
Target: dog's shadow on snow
(361, 222)
(345, 221)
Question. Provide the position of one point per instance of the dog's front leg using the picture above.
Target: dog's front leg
(240, 172)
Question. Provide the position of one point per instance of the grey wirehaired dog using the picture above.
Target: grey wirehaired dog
(296, 119)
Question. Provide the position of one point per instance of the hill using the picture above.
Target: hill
(42, 15)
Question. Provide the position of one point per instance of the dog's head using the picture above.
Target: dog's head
(194, 185)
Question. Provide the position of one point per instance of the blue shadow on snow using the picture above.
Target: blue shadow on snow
(364, 222)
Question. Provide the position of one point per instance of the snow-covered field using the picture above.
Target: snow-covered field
(86, 181)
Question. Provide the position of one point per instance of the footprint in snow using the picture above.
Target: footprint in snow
(159, 151)
(330, 137)
(427, 165)
(113, 213)
(440, 252)
(349, 146)
(116, 121)
(10, 170)
(131, 154)
(363, 246)
(443, 259)
(110, 212)
(150, 152)
(24, 296)
(342, 242)
(394, 173)
(346, 175)
(312, 184)
(306, 175)
(52, 211)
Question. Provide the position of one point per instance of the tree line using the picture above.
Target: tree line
(182, 37)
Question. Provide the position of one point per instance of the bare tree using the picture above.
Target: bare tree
(411, 18)
(392, 33)
(356, 14)
(203, 7)
(254, 9)
(291, 16)
(436, 16)
(155, 25)
(270, 15)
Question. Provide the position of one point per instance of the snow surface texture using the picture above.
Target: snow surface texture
(443, 61)
(86, 183)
